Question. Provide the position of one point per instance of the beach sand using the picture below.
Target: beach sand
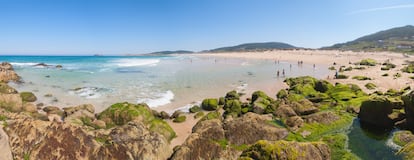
(319, 58)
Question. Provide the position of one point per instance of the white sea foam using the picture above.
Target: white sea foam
(133, 62)
(88, 92)
(185, 108)
(158, 100)
(23, 64)
(390, 143)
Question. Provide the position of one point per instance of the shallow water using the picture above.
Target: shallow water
(158, 81)
(371, 143)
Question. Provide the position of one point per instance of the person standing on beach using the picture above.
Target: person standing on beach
(277, 73)
(283, 72)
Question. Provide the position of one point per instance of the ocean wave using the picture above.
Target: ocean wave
(135, 62)
(23, 64)
(158, 100)
(88, 92)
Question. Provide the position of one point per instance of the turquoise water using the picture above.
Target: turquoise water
(167, 82)
(372, 143)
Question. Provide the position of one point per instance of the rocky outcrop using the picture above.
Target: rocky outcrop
(379, 111)
(409, 109)
(215, 139)
(304, 107)
(36, 139)
(11, 102)
(82, 114)
(5, 149)
(287, 150)
(7, 73)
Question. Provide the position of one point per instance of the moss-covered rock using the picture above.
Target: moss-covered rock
(323, 86)
(261, 94)
(304, 107)
(6, 89)
(370, 86)
(341, 76)
(266, 150)
(337, 144)
(408, 69)
(402, 138)
(180, 119)
(368, 62)
(222, 101)
(282, 94)
(210, 104)
(211, 115)
(122, 113)
(198, 115)
(28, 96)
(409, 109)
(378, 111)
(232, 95)
(233, 108)
(361, 78)
(195, 109)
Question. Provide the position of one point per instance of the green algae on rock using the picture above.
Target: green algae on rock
(28, 96)
(209, 104)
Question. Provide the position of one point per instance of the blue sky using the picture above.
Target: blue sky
(141, 26)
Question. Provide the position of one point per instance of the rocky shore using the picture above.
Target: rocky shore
(304, 121)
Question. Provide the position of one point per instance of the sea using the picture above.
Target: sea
(163, 82)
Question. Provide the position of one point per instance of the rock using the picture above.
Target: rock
(323, 86)
(203, 143)
(287, 150)
(284, 111)
(214, 139)
(321, 117)
(258, 94)
(59, 66)
(54, 118)
(35, 139)
(378, 111)
(11, 102)
(402, 138)
(232, 95)
(164, 115)
(198, 115)
(7, 73)
(282, 94)
(233, 107)
(121, 113)
(260, 105)
(222, 101)
(5, 149)
(6, 89)
(176, 114)
(28, 96)
(99, 124)
(29, 107)
(252, 127)
(195, 109)
(209, 104)
(48, 95)
(294, 123)
(84, 113)
(53, 110)
(409, 109)
(180, 119)
(304, 107)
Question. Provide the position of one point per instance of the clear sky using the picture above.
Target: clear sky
(141, 26)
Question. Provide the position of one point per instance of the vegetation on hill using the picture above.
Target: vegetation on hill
(400, 39)
(254, 47)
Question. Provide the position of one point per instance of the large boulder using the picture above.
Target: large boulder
(232, 95)
(83, 114)
(304, 107)
(7, 73)
(28, 96)
(210, 104)
(121, 113)
(233, 107)
(379, 111)
(213, 139)
(284, 111)
(6, 89)
(252, 127)
(409, 109)
(11, 102)
(35, 139)
(287, 150)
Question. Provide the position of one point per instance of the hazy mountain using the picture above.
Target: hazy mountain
(400, 39)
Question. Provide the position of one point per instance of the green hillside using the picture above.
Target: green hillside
(400, 39)
(254, 47)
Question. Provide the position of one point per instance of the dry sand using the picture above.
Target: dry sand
(317, 57)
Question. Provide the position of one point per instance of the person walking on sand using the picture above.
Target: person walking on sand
(283, 72)
(277, 73)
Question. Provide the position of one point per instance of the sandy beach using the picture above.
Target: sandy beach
(319, 58)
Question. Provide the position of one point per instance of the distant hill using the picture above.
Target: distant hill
(400, 39)
(254, 47)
